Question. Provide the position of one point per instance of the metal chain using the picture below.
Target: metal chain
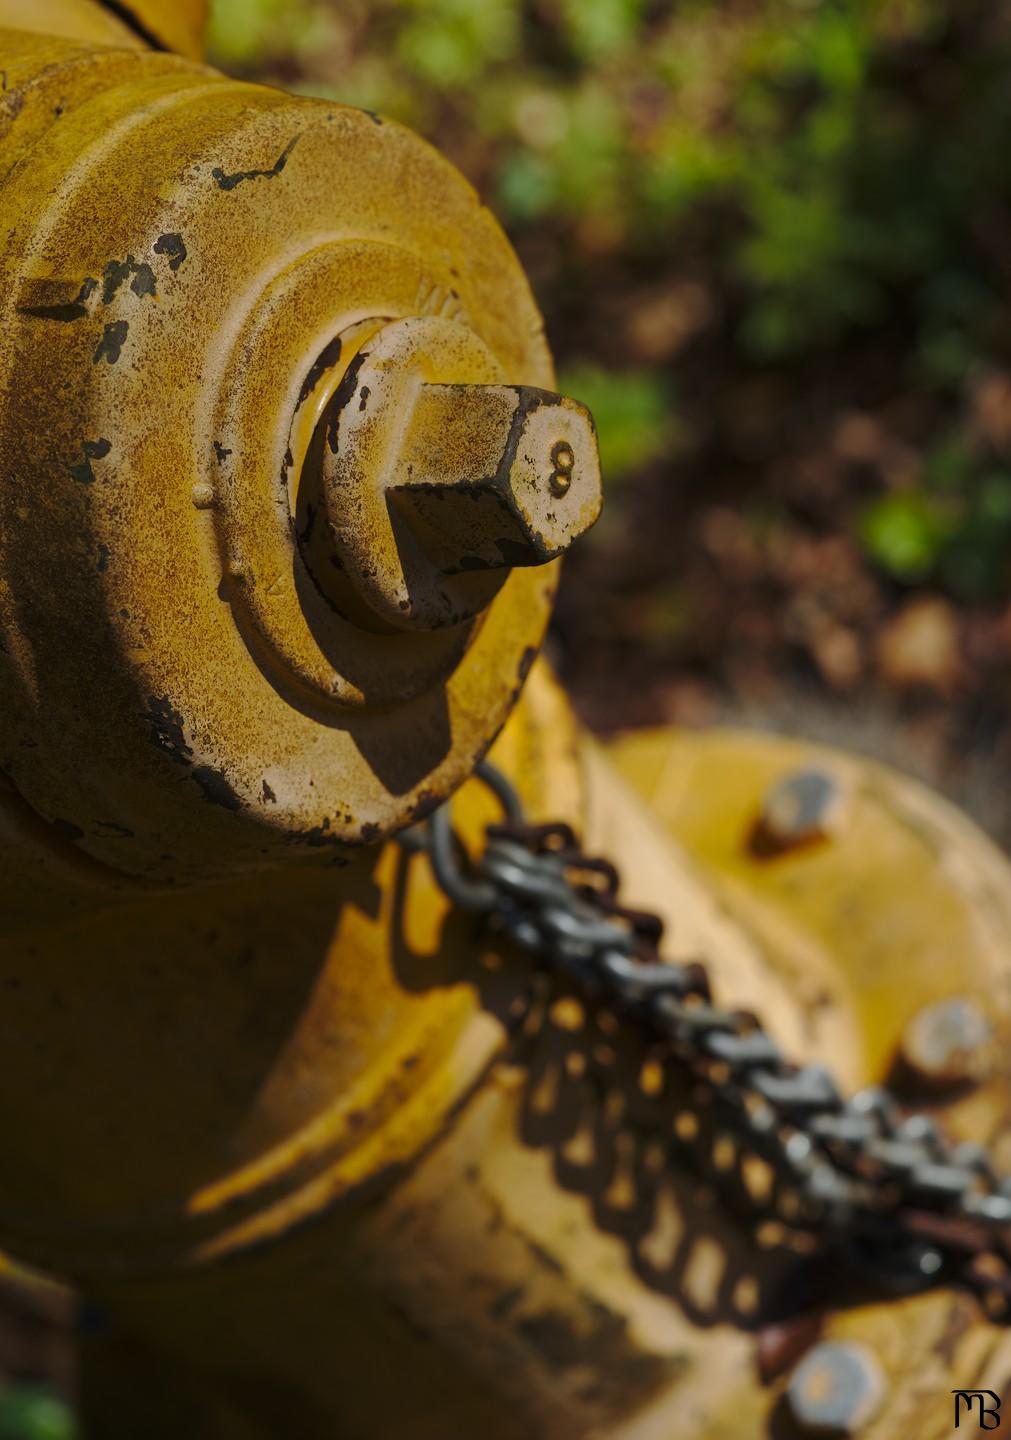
(908, 1204)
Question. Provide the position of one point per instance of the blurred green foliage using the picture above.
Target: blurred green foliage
(29, 1412)
(905, 533)
(831, 171)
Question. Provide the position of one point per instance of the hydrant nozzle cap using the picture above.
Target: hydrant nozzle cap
(440, 478)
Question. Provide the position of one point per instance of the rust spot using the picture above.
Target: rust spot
(117, 272)
(229, 182)
(345, 390)
(110, 347)
(328, 358)
(172, 246)
(426, 802)
(143, 282)
(93, 450)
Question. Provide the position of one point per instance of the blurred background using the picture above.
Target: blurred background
(772, 240)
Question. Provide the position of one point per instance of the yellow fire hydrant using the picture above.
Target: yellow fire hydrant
(284, 484)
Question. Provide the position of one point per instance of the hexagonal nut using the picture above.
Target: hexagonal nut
(836, 1390)
(494, 476)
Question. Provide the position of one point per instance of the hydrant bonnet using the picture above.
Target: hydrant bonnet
(197, 276)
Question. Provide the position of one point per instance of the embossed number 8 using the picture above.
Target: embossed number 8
(563, 459)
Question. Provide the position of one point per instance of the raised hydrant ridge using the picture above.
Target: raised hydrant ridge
(267, 641)
(330, 1155)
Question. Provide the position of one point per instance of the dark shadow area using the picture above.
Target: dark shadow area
(645, 1145)
(651, 1152)
(402, 766)
(466, 590)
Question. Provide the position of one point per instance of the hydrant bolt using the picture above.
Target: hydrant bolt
(836, 1390)
(803, 806)
(947, 1044)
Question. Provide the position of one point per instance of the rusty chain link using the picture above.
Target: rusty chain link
(907, 1204)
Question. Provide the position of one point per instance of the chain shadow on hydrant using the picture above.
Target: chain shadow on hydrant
(641, 1145)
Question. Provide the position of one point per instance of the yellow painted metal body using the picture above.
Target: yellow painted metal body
(289, 1120)
(142, 24)
(536, 1271)
(179, 254)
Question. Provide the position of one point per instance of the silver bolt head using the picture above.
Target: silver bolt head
(837, 1389)
(801, 806)
(948, 1044)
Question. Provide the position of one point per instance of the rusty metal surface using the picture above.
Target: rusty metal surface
(205, 1046)
(183, 258)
